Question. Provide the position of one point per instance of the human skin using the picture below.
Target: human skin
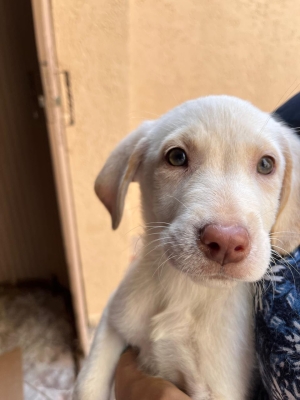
(132, 384)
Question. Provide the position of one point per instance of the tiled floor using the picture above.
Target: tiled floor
(38, 320)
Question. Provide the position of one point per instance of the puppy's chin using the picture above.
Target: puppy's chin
(215, 282)
(218, 279)
(224, 280)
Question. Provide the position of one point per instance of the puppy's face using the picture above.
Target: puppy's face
(211, 173)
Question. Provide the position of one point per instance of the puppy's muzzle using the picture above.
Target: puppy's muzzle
(224, 244)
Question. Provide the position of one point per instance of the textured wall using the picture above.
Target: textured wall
(92, 43)
(188, 48)
(135, 60)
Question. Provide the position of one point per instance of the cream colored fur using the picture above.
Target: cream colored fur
(190, 317)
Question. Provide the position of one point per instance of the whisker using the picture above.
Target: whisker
(157, 222)
(280, 101)
(286, 263)
(178, 200)
(274, 238)
(289, 232)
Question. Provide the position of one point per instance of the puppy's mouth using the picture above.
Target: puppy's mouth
(225, 277)
(230, 272)
(205, 270)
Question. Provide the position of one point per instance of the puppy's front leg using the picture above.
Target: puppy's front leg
(96, 377)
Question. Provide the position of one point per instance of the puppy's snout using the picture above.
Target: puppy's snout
(224, 244)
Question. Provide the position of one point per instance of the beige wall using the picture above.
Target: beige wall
(134, 60)
(185, 49)
(98, 69)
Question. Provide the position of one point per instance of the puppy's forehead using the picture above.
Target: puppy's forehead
(215, 118)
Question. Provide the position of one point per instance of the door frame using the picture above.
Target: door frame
(50, 73)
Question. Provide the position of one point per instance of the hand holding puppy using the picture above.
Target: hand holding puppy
(132, 384)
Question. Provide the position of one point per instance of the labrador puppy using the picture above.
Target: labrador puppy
(217, 177)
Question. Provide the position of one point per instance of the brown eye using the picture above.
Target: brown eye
(265, 165)
(177, 157)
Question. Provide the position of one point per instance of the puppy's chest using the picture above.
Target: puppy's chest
(175, 344)
(203, 351)
(201, 342)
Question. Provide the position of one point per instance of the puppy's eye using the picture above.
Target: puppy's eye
(265, 165)
(177, 157)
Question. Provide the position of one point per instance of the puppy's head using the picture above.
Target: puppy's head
(219, 186)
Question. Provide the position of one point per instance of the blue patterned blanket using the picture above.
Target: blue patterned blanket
(277, 329)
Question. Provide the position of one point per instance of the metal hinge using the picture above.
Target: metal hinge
(68, 101)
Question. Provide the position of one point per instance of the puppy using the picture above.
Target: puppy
(217, 176)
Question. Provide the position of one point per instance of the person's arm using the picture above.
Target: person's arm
(132, 384)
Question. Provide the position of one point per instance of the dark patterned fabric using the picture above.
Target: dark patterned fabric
(289, 113)
(277, 329)
(277, 310)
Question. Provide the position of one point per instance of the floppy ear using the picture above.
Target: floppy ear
(287, 225)
(119, 170)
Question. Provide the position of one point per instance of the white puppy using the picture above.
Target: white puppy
(216, 177)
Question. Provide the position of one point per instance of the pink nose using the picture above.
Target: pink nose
(225, 244)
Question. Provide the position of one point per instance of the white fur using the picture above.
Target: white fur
(190, 317)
